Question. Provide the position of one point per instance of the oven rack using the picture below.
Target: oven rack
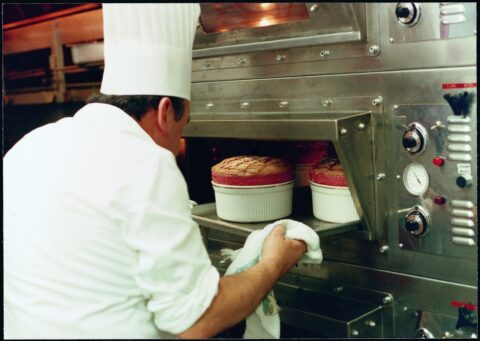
(206, 216)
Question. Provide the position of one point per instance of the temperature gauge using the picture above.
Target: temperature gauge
(415, 179)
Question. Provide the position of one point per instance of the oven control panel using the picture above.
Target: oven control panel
(414, 22)
(436, 176)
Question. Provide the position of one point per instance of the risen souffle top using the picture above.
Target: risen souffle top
(330, 173)
(252, 171)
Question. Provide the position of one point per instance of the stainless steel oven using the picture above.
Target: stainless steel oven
(393, 87)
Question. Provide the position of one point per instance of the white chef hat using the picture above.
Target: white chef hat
(148, 48)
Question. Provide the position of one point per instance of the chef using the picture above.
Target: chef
(99, 240)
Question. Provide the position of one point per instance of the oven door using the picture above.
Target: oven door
(231, 28)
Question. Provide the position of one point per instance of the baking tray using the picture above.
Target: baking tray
(206, 216)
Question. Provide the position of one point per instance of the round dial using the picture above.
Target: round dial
(408, 13)
(415, 138)
(415, 179)
(417, 221)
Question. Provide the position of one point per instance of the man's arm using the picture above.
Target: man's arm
(240, 294)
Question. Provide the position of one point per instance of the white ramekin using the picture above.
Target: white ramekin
(333, 204)
(248, 204)
(302, 174)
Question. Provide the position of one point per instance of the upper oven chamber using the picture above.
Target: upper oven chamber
(248, 27)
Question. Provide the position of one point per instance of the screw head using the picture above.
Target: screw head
(280, 57)
(314, 8)
(338, 289)
(387, 299)
(374, 49)
(327, 103)
(360, 126)
(206, 64)
(355, 332)
(244, 105)
(377, 101)
(398, 176)
(209, 106)
(370, 323)
(400, 245)
(283, 104)
(343, 131)
(241, 61)
(396, 106)
(391, 40)
(324, 53)
(383, 248)
(380, 176)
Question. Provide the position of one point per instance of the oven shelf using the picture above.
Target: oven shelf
(206, 216)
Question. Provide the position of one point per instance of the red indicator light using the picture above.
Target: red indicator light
(438, 161)
(468, 306)
(439, 200)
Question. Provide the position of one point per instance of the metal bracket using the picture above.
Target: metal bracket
(355, 149)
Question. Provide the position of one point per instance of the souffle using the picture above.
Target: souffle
(311, 152)
(329, 173)
(252, 171)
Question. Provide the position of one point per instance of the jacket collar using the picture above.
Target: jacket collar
(107, 114)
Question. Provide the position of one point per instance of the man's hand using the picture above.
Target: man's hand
(240, 294)
(280, 252)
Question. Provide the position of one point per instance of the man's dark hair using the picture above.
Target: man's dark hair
(138, 105)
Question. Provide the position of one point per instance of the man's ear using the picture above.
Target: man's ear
(163, 110)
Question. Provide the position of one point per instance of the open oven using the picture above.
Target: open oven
(250, 133)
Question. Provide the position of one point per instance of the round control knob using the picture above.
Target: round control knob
(464, 181)
(407, 13)
(402, 12)
(413, 224)
(416, 221)
(415, 138)
(409, 142)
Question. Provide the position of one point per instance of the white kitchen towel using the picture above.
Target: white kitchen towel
(264, 322)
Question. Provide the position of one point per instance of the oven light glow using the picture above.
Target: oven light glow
(265, 22)
(227, 17)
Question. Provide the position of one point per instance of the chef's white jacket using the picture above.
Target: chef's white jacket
(99, 241)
